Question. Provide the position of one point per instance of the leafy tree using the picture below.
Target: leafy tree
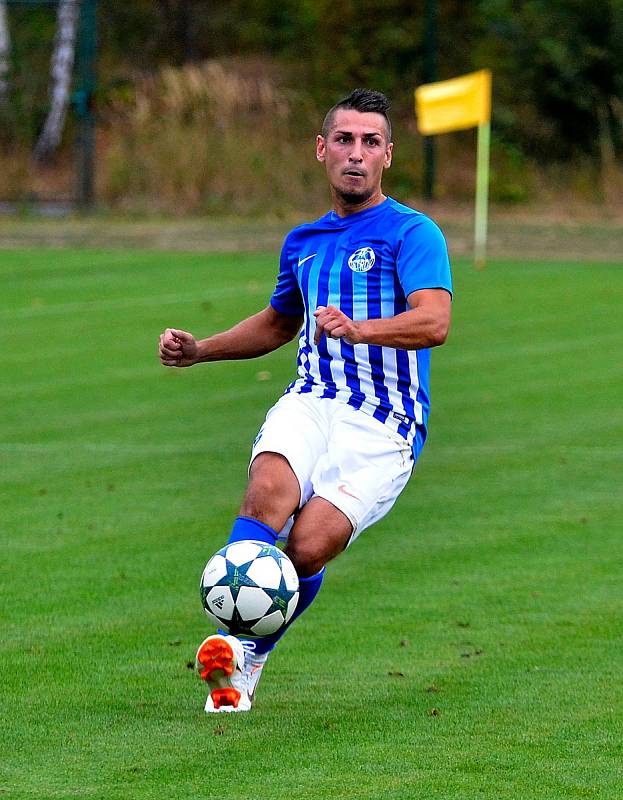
(558, 77)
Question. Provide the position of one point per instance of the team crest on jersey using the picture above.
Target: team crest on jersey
(362, 260)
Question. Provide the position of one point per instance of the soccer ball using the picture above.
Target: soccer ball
(249, 588)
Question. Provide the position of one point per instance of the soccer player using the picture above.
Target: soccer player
(367, 288)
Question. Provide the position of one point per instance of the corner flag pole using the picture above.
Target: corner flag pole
(482, 194)
(454, 105)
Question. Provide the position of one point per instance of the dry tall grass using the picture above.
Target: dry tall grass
(206, 137)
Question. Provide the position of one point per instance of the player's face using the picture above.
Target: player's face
(355, 153)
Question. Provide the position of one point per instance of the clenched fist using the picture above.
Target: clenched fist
(177, 348)
(336, 325)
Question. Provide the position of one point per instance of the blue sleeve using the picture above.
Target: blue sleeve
(422, 260)
(287, 298)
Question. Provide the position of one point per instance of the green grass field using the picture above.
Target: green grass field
(468, 646)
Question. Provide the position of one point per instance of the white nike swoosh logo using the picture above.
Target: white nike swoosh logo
(303, 260)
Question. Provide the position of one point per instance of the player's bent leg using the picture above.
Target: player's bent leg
(274, 494)
(231, 666)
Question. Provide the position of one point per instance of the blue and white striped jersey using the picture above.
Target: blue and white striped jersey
(365, 264)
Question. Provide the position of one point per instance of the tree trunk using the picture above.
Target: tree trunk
(5, 54)
(61, 69)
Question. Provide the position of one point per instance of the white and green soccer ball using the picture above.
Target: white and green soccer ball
(249, 588)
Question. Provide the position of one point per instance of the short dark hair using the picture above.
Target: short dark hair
(364, 101)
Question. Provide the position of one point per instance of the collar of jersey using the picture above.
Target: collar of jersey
(342, 222)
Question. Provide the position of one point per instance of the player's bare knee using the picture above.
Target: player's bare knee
(271, 474)
(273, 492)
(264, 484)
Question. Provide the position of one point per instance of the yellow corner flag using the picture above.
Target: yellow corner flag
(455, 104)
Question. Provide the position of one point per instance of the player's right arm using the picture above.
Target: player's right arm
(255, 336)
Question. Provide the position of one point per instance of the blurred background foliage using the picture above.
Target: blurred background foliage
(214, 106)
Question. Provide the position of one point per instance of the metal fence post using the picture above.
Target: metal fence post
(84, 101)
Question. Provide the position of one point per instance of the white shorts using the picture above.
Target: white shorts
(338, 453)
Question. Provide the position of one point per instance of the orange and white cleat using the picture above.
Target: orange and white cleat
(220, 662)
(232, 670)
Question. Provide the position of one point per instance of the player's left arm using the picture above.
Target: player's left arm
(425, 324)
